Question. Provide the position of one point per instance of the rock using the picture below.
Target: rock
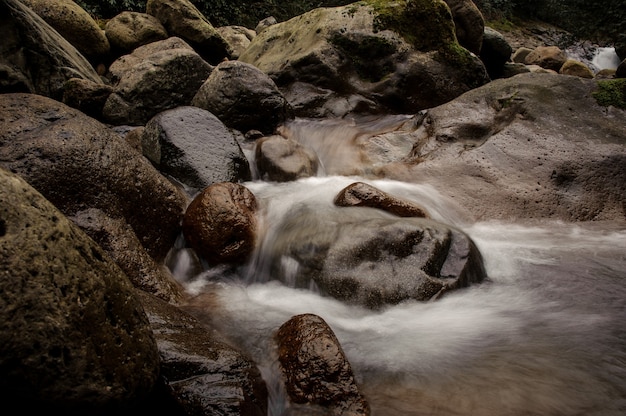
(531, 146)
(606, 74)
(365, 50)
(368, 258)
(154, 78)
(194, 147)
(78, 163)
(316, 369)
(469, 24)
(576, 68)
(243, 98)
(130, 30)
(220, 223)
(204, 375)
(237, 37)
(280, 159)
(620, 72)
(74, 338)
(548, 57)
(495, 52)
(75, 25)
(520, 54)
(267, 22)
(87, 96)
(34, 58)
(119, 241)
(510, 70)
(182, 19)
(536, 69)
(360, 194)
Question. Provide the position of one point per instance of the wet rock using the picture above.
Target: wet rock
(367, 258)
(238, 38)
(220, 223)
(194, 147)
(576, 68)
(78, 163)
(119, 241)
(34, 58)
(280, 159)
(620, 72)
(365, 50)
(86, 96)
(75, 25)
(548, 57)
(469, 24)
(130, 30)
(74, 338)
(154, 78)
(181, 18)
(360, 194)
(495, 52)
(204, 375)
(243, 98)
(316, 369)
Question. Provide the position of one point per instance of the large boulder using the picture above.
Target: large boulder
(78, 163)
(182, 19)
(243, 97)
(203, 373)
(220, 223)
(495, 52)
(130, 30)
(371, 258)
(396, 56)
(469, 24)
(154, 78)
(87, 96)
(238, 38)
(75, 25)
(34, 58)
(531, 146)
(74, 338)
(576, 68)
(316, 369)
(194, 147)
(548, 57)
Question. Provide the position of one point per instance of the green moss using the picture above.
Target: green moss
(425, 24)
(367, 54)
(611, 92)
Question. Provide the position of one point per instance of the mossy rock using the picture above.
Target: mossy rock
(611, 92)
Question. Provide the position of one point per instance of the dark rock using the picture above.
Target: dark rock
(204, 375)
(316, 369)
(360, 194)
(77, 163)
(154, 78)
(220, 223)
(74, 338)
(495, 52)
(194, 147)
(86, 96)
(280, 159)
(620, 72)
(469, 24)
(34, 58)
(243, 98)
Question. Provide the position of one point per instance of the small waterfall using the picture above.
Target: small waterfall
(605, 58)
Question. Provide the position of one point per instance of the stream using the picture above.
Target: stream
(546, 335)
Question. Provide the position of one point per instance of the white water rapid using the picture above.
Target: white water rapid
(546, 335)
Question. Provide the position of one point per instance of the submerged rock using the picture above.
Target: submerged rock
(282, 159)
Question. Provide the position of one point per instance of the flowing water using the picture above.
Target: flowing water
(546, 335)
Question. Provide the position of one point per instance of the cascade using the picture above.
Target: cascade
(545, 336)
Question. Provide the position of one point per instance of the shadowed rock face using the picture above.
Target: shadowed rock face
(74, 338)
(379, 56)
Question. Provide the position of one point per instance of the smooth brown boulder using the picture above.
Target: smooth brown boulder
(220, 223)
(316, 369)
(548, 57)
(360, 194)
